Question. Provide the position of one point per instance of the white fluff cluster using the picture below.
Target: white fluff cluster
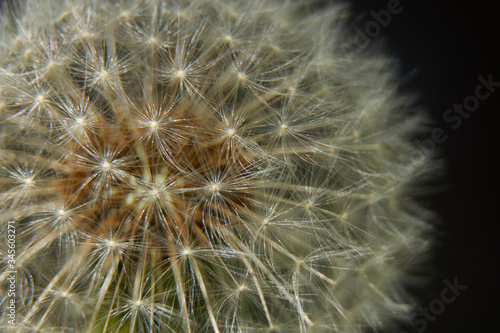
(202, 166)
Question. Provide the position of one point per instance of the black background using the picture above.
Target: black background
(450, 44)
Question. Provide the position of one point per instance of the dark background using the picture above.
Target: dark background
(450, 44)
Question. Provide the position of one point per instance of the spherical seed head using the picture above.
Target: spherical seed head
(222, 166)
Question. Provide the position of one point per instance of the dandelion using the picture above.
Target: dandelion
(203, 166)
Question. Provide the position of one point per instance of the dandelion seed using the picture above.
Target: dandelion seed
(28, 181)
(110, 243)
(230, 132)
(106, 166)
(181, 74)
(40, 99)
(125, 14)
(186, 252)
(153, 125)
(242, 76)
(103, 75)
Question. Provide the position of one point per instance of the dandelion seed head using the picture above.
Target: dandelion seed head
(204, 165)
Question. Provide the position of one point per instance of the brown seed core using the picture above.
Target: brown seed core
(173, 177)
